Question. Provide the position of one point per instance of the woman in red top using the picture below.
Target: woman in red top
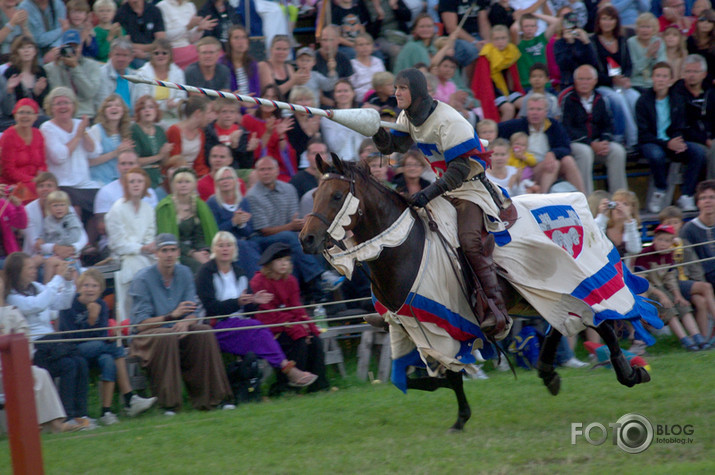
(22, 150)
(188, 136)
(268, 125)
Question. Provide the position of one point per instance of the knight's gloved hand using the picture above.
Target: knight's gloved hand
(383, 141)
(419, 199)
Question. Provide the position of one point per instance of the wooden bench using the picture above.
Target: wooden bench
(378, 340)
(333, 352)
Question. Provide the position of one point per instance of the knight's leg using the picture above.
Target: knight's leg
(545, 363)
(469, 227)
(626, 375)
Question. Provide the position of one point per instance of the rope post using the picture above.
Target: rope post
(25, 447)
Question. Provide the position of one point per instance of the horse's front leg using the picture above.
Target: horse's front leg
(626, 374)
(453, 380)
(545, 364)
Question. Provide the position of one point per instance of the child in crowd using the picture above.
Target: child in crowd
(675, 310)
(365, 66)
(304, 62)
(78, 19)
(502, 55)
(301, 343)
(691, 278)
(675, 49)
(524, 161)
(226, 130)
(384, 91)
(619, 220)
(89, 311)
(499, 172)
(444, 72)
(59, 226)
(487, 130)
(538, 81)
(105, 31)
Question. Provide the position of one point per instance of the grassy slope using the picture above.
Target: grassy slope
(516, 425)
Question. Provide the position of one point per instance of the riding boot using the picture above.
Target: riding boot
(495, 321)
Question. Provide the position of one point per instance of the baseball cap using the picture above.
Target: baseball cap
(166, 239)
(305, 50)
(664, 228)
(71, 37)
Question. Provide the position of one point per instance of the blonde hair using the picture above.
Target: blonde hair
(217, 176)
(104, 3)
(382, 78)
(486, 123)
(57, 196)
(124, 123)
(190, 174)
(518, 135)
(648, 18)
(630, 198)
(300, 93)
(269, 273)
(224, 236)
(500, 142)
(499, 28)
(95, 275)
(60, 91)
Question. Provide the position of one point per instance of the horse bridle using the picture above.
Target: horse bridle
(334, 176)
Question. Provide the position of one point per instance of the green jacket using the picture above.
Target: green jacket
(166, 219)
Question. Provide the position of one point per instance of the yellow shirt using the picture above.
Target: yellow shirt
(499, 60)
(529, 160)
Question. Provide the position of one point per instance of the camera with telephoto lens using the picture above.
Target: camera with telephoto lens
(68, 51)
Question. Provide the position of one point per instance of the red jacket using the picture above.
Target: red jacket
(21, 162)
(286, 293)
(287, 159)
(483, 88)
(173, 136)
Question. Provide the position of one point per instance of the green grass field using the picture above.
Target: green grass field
(516, 426)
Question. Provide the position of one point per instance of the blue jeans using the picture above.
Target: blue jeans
(465, 52)
(74, 383)
(659, 159)
(248, 256)
(102, 354)
(306, 267)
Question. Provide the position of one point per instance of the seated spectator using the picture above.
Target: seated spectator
(444, 72)
(87, 312)
(47, 21)
(614, 71)
(619, 220)
(506, 176)
(538, 80)
(78, 19)
(60, 227)
(243, 68)
(365, 65)
(383, 85)
(330, 62)
(233, 214)
(474, 29)
(185, 215)
(69, 148)
(107, 28)
(274, 214)
(590, 127)
(161, 66)
(45, 184)
(29, 78)
(307, 179)
(36, 302)
(524, 161)
(15, 23)
(12, 216)
(341, 140)
(410, 181)
(72, 70)
(207, 72)
(7, 103)
(226, 130)
(645, 49)
(50, 413)
(219, 157)
(661, 123)
(699, 231)
(548, 141)
(149, 138)
(193, 357)
(703, 39)
(271, 128)
(22, 149)
(675, 310)
(487, 130)
(501, 56)
(532, 46)
(276, 69)
(223, 289)
(111, 81)
(168, 167)
(183, 29)
(305, 126)
(188, 137)
(573, 50)
(111, 132)
(301, 343)
(351, 18)
(675, 51)
(144, 24)
(420, 48)
(225, 15)
(674, 14)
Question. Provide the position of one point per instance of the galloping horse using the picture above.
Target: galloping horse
(433, 324)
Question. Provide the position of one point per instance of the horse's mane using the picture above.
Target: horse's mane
(353, 169)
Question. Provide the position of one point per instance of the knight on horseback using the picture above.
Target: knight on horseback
(457, 156)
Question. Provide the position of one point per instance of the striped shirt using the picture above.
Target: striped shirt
(270, 208)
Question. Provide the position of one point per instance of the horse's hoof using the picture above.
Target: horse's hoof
(457, 428)
(643, 375)
(552, 381)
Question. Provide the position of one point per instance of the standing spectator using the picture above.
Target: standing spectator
(24, 69)
(193, 357)
(661, 123)
(149, 138)
(225, 15)
(531, 45)
(161, 66)
(69, 148)
(143, 23)
(330, 61)
(72, 70)
(111, 81)
(276, 70)
(47, 21)
(184, 28)
(188, 135)
(589, 125)
(572, 50)
(14, 23)
(112, 135)
(645, 49)
(207, 72)
(340, 139)
(244, 69)
(107, 28)
(131, 230)
(22, 149)
(233, 214)
(549, 143)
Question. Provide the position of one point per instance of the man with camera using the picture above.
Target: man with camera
(573, 49)
(75, 71)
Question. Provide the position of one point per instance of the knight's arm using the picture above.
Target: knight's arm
(388, 143)
(457, 171)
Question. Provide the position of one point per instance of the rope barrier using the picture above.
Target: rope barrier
(672, 249)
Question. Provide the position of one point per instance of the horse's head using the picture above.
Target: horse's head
(339, 181)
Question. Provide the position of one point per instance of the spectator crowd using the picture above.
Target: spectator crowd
(199, 202)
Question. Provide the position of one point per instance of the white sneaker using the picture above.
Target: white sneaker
(575, 363)
(503, 365)
(655, 203)
(480, 374)
(687, 203)
(137, 405)
(169, 413)
(108, 419)
(228, 407)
